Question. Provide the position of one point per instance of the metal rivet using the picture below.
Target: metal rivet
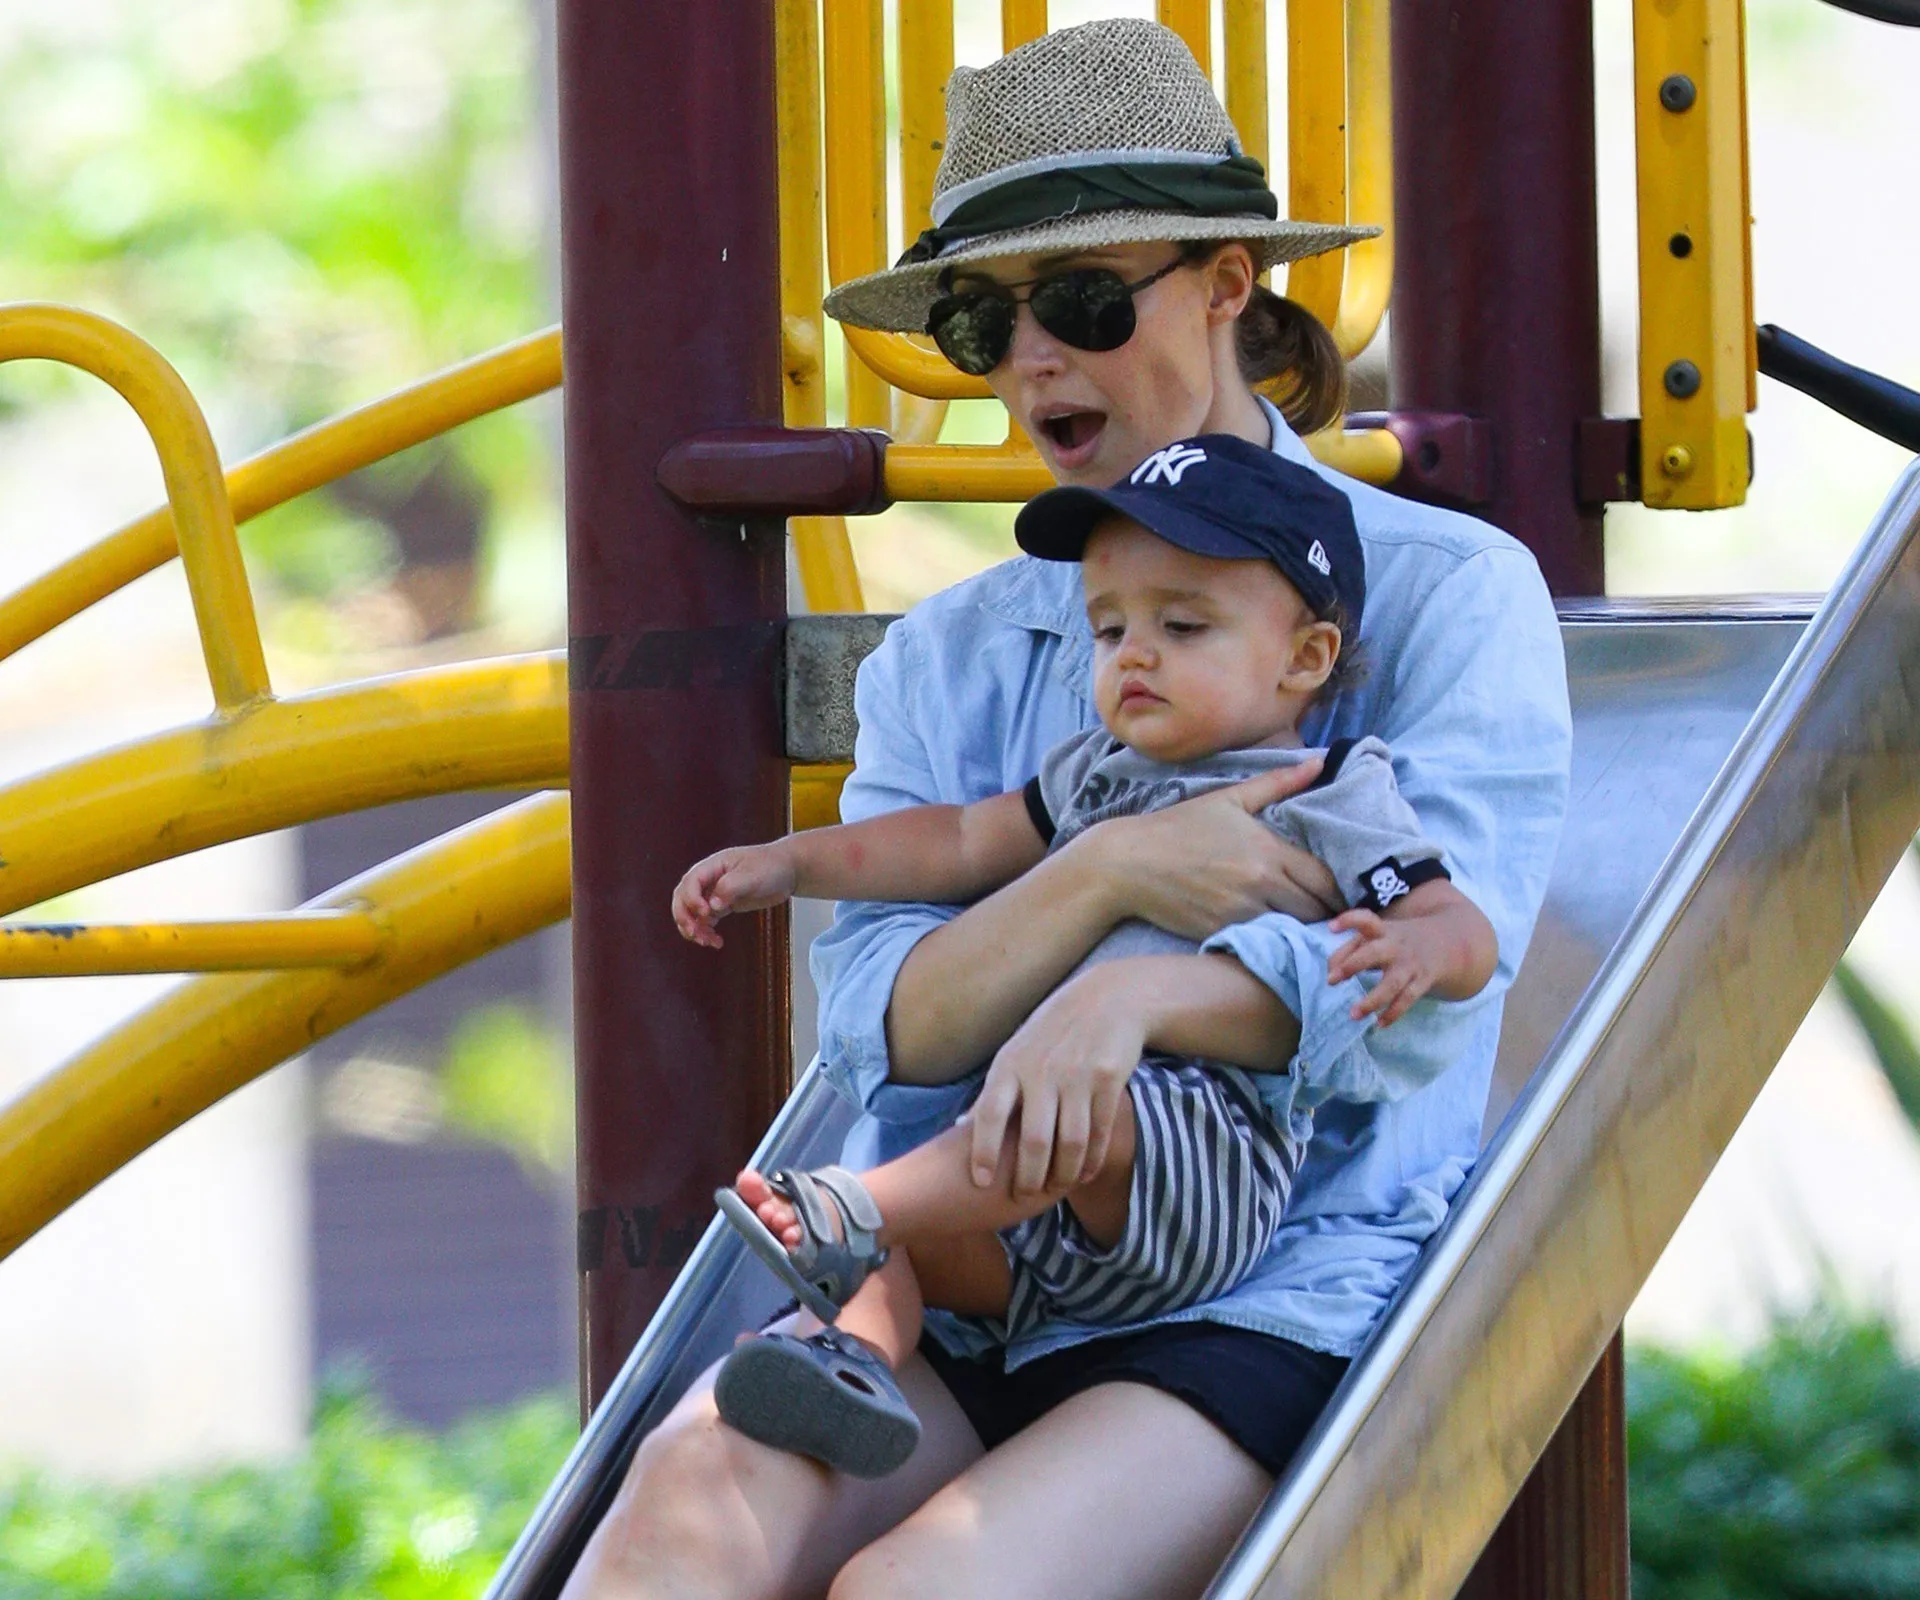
(1680, 245)
(1682, 380)
(1677, 92)
(1676, 461)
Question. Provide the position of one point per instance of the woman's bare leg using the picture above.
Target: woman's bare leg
(1121, 1493)
(706, 1514)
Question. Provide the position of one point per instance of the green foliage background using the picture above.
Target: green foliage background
(370, 1509)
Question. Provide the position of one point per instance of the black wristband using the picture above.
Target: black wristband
(1388, 881)
(1037, 810)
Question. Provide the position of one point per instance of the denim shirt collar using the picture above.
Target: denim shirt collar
(1035, 599)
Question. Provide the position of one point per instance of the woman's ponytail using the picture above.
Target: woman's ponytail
(1286, 350)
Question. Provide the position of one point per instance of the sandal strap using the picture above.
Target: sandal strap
(838, 1261)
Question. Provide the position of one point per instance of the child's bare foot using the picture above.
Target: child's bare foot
(778, 1213)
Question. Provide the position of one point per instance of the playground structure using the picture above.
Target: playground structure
(1652, 1004)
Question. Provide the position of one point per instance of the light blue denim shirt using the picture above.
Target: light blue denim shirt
(1466, 683)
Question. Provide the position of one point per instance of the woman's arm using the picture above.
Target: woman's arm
(1193, 869)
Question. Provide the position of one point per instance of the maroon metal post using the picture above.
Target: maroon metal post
(670, 281)
(1496, 294)
(1496, 315)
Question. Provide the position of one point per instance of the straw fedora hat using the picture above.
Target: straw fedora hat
(1108, 133)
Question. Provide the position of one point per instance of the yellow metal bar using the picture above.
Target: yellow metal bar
(1373, 455)
(914, 365)
(196, 487)
(853, 46)
(1317, 144)
(1000, 473)
(926, 62)
(822, 551)
(443, 904)
(1021, 22)
(1696, 322)
(320, 455)
(238, 944)
(476, 725)
(1193, 21)
(1369, 281)
(1244, 30)
(816, 795)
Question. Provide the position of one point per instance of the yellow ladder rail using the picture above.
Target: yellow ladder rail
(456, 898)
(232, 944)
(196, 487)
(319, 455)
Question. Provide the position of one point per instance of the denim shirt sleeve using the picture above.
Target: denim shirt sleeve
(1476, 714)
(856, 960)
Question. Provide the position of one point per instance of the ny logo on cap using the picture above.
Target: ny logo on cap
(1317, 559)
(1168, 465)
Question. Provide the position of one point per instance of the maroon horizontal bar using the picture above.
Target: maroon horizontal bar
(744, 472)
(1449, 457)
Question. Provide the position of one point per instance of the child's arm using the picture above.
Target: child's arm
(945, 854)
(1433, 940)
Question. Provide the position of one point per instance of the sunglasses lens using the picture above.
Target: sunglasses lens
(1090, 310)
(973, 331)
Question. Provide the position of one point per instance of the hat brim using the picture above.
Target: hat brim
(898, 299)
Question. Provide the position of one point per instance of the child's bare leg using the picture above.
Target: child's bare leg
(967, 1273)
(941, 1226)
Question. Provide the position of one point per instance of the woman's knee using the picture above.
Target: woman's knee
(680, 1524)
(903, 1565)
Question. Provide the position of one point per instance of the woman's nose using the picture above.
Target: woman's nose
(1033, 351)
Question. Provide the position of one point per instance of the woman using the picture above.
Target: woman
(1097, 243)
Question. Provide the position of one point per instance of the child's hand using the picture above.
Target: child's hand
(745, 878)
(1401, 952)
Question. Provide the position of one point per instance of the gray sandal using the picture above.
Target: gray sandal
(825, 1268)
(827, 1396)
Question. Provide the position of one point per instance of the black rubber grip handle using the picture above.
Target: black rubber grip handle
(1887, 408)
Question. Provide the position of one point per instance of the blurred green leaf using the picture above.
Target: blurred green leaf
(1790, 1474)
(369, 1508)
(507, 1078)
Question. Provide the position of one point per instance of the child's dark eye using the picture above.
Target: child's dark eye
(1111, 634)
(1185, 630)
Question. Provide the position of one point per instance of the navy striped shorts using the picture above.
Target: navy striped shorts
(1211, 1175)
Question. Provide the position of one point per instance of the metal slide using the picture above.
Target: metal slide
(1745, 777)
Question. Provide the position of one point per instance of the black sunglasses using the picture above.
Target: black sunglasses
(1090, 308)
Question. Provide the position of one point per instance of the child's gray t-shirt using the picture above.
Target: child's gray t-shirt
(1353, 818)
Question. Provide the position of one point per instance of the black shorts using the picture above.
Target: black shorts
(1263, 1392)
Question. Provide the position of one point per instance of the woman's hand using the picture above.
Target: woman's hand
(1062, 1073)
(1210, 862)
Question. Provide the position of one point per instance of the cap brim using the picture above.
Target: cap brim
(1056, 524)
(898, 299)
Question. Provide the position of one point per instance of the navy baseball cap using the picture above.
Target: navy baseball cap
(1218, 495)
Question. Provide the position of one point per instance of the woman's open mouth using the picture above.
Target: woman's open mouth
(1074, 435)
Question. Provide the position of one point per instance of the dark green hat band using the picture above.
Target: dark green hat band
(1235, 187)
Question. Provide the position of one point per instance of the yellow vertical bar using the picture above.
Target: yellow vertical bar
(1746, 213)
(1317, 143)
(1244, 26)
(822, 552)
(1021, 22)
(926, 62)
(1696, 326)
(1193, 21)
(856, 117)
(1369, 281)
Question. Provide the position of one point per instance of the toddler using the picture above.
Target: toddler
(1222, 582)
